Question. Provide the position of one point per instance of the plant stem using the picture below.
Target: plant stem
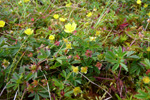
(47, 85)
(15, 95)
(4, 88)
(14, 60)
(97, 86)
(23, 94)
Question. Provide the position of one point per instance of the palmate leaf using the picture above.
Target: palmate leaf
(142, 95)
(36, 97)
(136, 68)
(146, 63)
(110, 56)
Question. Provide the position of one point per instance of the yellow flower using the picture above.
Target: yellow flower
(77, 90)
(26, 1)
(148, 49)
(56, 16)
(69, 28)
(68, 46)
(148, 14)
(2, 23)
(68, 5)
(52, 37)
(89, 14)
(94, 9)
(139, 2)
(92, 38)
(84, 69)
(65, 40)
(97, 33)
(146, 79)
(28, 31)
(145, 5)
(20, 3)
(86, 24)
(75, 69)
(62, 19)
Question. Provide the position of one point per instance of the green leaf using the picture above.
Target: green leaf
(147, 63)
(44, 95)
(16, 76)
(134, 56)
(68, 94)
(124, 66)
(29, 76)
(57, 64)
(31, 94)
(115, 67)
(96, 70)
(60, 61)
(64, 74)
(142, 95)
(59, 84)
(36, 97)
(21, 70)
(56, 82)
(76, 62)
(68, 75)
(10, 85)
(118, 98)
(129, 53)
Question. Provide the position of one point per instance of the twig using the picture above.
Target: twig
(47, 85)
(107, 36)
(23, 94)
(97, 86)
(119, 72)
(103, 78)
(146, 26)
(4, 88)
(15, 95)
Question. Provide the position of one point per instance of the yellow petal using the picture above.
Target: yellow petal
(2, 23)
(67, 25)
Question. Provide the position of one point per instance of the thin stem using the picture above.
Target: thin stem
(43, 87)
(14, 60)
(96, 85)
(47, 85)
(107, 36)
(4, 88)
(119, 72)
(59, 49)
(146, 26)
(104, 11)
(104, 78)
(23, 94)
(15, 95)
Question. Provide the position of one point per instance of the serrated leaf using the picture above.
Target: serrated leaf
(76, 62)
(115, 67)
(44, 95)
(10, 85)
(57, 64)
(60, 61)
(36, 97)
(29, 76)
(124, 66)
(134, 56)
(68, 94)
(129, 53)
